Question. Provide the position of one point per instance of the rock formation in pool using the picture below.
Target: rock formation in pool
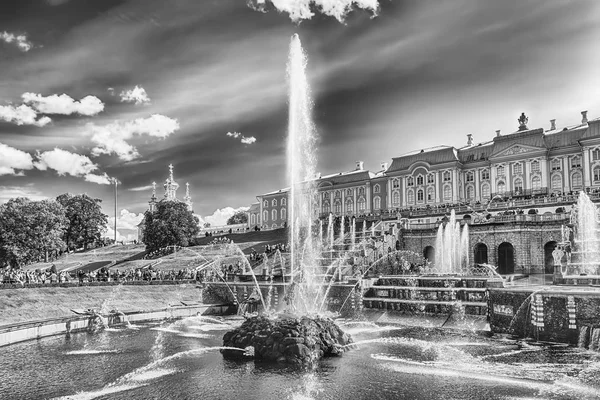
(299, 341)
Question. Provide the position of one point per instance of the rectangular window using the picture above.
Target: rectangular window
(518, 168)
(556, 165)
(575, 162)
(535, 166)
(485, 174)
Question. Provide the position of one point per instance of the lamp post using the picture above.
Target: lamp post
(116, 182)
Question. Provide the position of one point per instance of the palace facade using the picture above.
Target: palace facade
(515, 191)
(526, 163)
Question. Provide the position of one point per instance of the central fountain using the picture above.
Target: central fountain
(300, 335)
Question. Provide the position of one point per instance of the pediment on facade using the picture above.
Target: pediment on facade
(517, 149)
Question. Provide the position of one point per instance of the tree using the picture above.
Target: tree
(87, 222)
(171, 224)
(30, 230)
(239, 217)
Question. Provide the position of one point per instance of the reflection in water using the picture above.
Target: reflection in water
(386, 362)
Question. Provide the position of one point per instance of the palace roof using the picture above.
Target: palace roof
(432, 156)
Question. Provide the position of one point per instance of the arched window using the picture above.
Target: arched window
(576, 182)
(283, 213)
(596, 154)
(361, 191)
(430, 178)
(447, 193)
(597, 174)
(348, 192)
(420, 180)
(430, 195)
(500, 170)
(337, 207)
(576, 162)
(338, 194)
(536, 183)
(265, 216)
(362, 204)
(485, 174)
(410, 196)
(274, 203)
(518, 185)
(326, 207)
(349, 205)
(470, 177)
(556, 183)
(376, 188)
(556, 165)
(501, 187)
(420, 195)
(273, 215)
(265, 203)
(377, 203)
(410, 181)
(395, 183)
(485, 191)
(470, 192)
(396, 199)
(535, 166)
(447, 176)
(284, 202)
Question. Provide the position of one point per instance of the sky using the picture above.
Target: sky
(97, 89)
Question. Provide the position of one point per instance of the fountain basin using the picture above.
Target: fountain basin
(301, 340)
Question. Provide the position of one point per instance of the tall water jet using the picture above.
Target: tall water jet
(301, 172)
(330, 231)
(586, 238)
(342, 228)
(352, 233)
(452, 247)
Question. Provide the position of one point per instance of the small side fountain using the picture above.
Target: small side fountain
(452, 247)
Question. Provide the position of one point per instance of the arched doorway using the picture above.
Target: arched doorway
(481, 254)
(429, 253)
(548, 258)
(506, 258)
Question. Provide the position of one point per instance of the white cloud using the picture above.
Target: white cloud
(12, 192)
(221, 215)
(301, 9)
(136, 95)
(248, 140)
(126, 225)
(65, 163)
(99, 179)
(141, 188)
(20, 40)
(244, 139)
(64, 104)
(12, 159)
(22, 115)
(112, 138)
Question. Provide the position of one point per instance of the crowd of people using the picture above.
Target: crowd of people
(269, 249)
(20, 277)
(221, 240)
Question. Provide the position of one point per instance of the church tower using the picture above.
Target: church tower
(171, 186)
(188, 199)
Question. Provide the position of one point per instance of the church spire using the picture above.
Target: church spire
(152, 201)
(188, 198)
(171, 186)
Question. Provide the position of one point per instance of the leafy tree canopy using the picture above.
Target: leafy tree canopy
(87, 222)
(29, 230)
(170, 224)
(239, 217)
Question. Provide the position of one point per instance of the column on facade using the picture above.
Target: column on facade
(566, 175)
(368, 194)
(508, 174)
(438, 177)
(389, 194)
(454, 185)
(493, 188)
(477, 184)
(587, 181)
(545, 174)
(527, 174)
(403, 191)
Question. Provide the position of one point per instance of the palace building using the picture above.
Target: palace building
(532, 174)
